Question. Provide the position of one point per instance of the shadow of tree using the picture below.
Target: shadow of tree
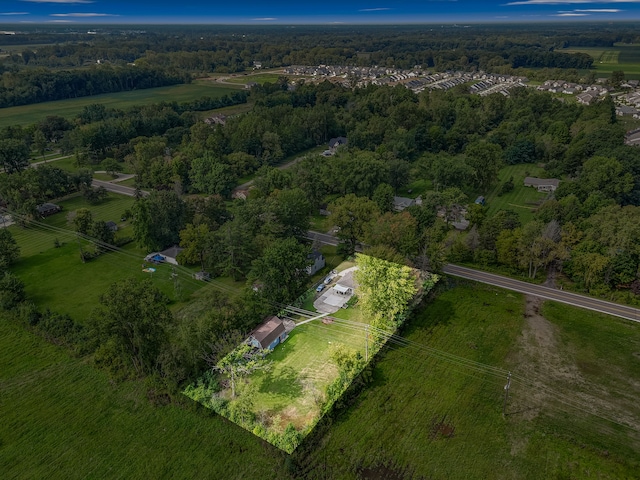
(286, 382)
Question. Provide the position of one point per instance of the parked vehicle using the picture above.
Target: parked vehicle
(320, 287)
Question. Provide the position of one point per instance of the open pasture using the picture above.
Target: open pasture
(625, 57)
(424, 415)
(28, 114)
(63, 419)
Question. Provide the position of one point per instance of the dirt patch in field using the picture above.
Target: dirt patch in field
(441, 429)
(382, 473)
(548, 376)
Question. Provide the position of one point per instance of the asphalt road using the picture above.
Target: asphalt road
(547, 293)
(115, 188)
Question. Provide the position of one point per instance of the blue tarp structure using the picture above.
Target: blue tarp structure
(157, 258)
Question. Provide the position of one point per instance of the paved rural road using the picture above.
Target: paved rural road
(115, 188)
(547, 293)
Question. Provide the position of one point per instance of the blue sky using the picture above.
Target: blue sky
(325, 12)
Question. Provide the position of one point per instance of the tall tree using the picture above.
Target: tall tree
(158, 219)
(281, 270)
(130, 326)
(9, 249)
(194, 240)
(351, 214)
(485, 159)
(14, 155)
(384, 289)
(239, 363)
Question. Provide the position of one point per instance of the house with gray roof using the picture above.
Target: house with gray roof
(542, 184)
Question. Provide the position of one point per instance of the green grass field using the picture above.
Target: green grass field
(28, 114)
(302, 366)
(51, 274)
(619, 57)
(425, 416)
(521, 199)
(62, 419)
(255, 77)
(421, 417)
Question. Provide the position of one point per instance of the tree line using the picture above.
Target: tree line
(27, 86)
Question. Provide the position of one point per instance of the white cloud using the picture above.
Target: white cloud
(570, 15)
(83, 15)
(600, 10)
(567, 2)
(264, 19)
(380, 9)
(14, 13)
(60, 21)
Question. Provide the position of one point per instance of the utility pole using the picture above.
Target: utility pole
(366, 343)
(80, 246)
(506, 394)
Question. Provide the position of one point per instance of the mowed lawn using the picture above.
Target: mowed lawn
(521, 199)
(28, 114)
(63, 419)
(58, 279)
(302, 368)
(619, 57)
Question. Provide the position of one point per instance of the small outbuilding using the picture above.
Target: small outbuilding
(202, 276)
(480, 200)
(47, 209)
(170, 255)
(342, 289)
(113, 226)
(268, 334)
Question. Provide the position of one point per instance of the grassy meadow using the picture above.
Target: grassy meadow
(424, 416)
(421, 416)
(243, 79)
(52, 274)
(63, 419)
(28, 114)
(623, 57)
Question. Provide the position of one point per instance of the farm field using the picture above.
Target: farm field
(619, 57)
(420, 417)
(28, 114)
(241, 79)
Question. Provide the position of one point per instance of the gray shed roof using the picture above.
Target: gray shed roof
(541, 181)
(172, 252)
